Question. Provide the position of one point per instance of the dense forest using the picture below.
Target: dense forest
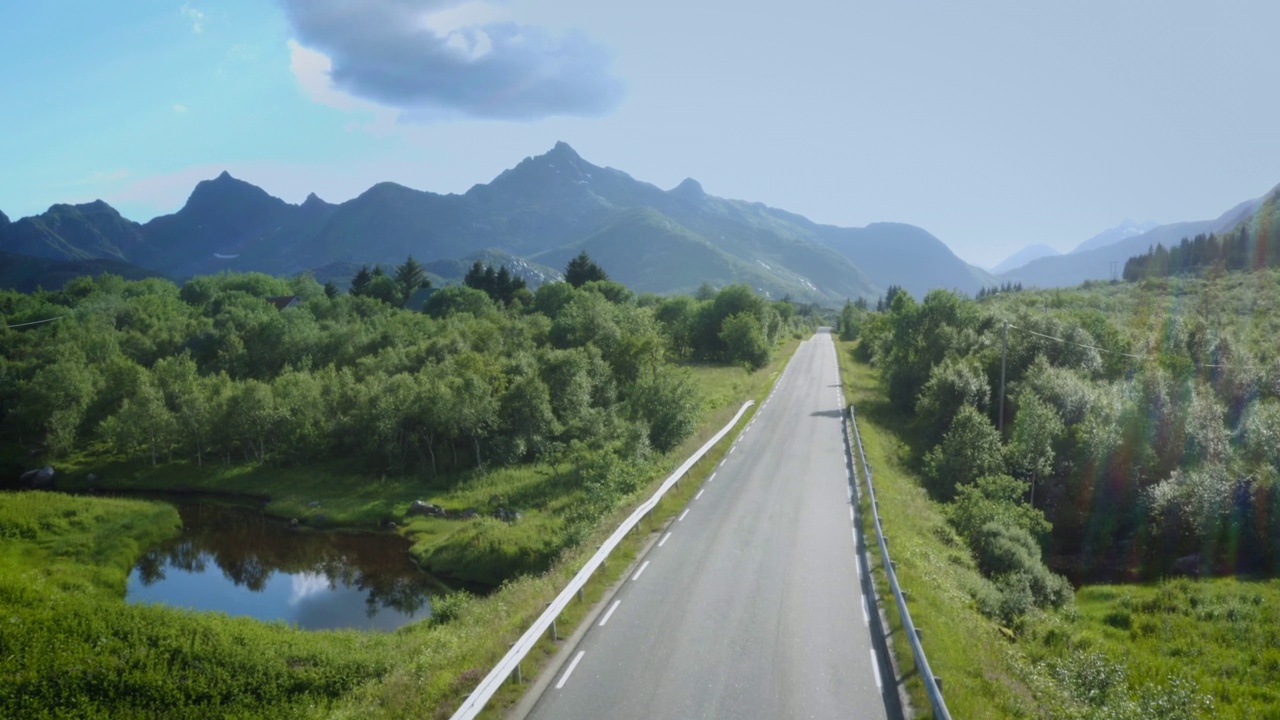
(248, 368)
(1140, 427)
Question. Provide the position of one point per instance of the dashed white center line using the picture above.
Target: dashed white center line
(712, 478)
(722, 462)
(695, 497)
(866, 621)
(664, 539)
(858, 558)
(640, 572)
(609, 614)
(735, 447)
(875, 668)
(686, 512)
(565, 677)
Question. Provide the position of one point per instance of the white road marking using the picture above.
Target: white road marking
(565, 677)
(609, 614)
(712, 478)
(735, 447)
(722, 462)
(640, 572)
(858, 558)
(855, 539)
(695, 497)
(686, 512)
(849, 489)
(875, 668)
(866, 620)
(664, 539)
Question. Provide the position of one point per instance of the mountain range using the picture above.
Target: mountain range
(532, 217)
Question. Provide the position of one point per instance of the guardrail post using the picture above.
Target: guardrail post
(582, 597)
(516, 675)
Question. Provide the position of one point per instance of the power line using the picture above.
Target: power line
(1128, 355)
(35, 322)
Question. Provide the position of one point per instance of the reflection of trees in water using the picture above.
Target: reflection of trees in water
(248, 548)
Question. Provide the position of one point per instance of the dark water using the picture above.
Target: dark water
(237, 561)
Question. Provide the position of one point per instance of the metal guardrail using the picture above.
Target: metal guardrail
(480, 697)
(932, 685)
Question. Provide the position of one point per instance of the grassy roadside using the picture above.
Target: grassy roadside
(981, 675)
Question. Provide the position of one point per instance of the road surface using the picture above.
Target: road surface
(751, 604)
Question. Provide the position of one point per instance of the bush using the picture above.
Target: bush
(1012, 557)
(995, 498)
(447, 608)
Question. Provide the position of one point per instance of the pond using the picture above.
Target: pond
(236, 560)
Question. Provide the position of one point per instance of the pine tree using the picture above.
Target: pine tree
(582, 270)
(360, 283)
(409, 277)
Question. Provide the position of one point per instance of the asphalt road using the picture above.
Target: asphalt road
(752, 606)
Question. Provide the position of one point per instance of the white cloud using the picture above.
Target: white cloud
(443, 58)
(196, 16)
(180, 108)
(306, 585)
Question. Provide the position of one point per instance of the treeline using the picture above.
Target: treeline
(1250, 246)
(213, 372)
(1126, 445)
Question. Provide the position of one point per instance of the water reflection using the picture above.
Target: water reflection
(238, 561)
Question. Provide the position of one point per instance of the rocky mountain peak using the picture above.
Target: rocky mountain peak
(689, 189)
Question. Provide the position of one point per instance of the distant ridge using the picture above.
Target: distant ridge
(1024, 256)
(1107, 262)
(539, 211)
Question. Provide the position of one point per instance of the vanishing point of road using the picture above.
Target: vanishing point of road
(754, 603)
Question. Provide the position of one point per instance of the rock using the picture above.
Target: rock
(391, 524)
(425, 508)
(293, 522)
(506, 515)
(39, 479)
(469, 513)
(313, 504)
(1187, 565)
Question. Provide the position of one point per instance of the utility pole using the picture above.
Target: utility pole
(1004, 353)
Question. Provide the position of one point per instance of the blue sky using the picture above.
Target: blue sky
(993, 124)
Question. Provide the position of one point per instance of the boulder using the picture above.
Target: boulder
(38, 479)
(425, 508)
(293, 522)
(469, 513)
(313, 504)
(1187, 565)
